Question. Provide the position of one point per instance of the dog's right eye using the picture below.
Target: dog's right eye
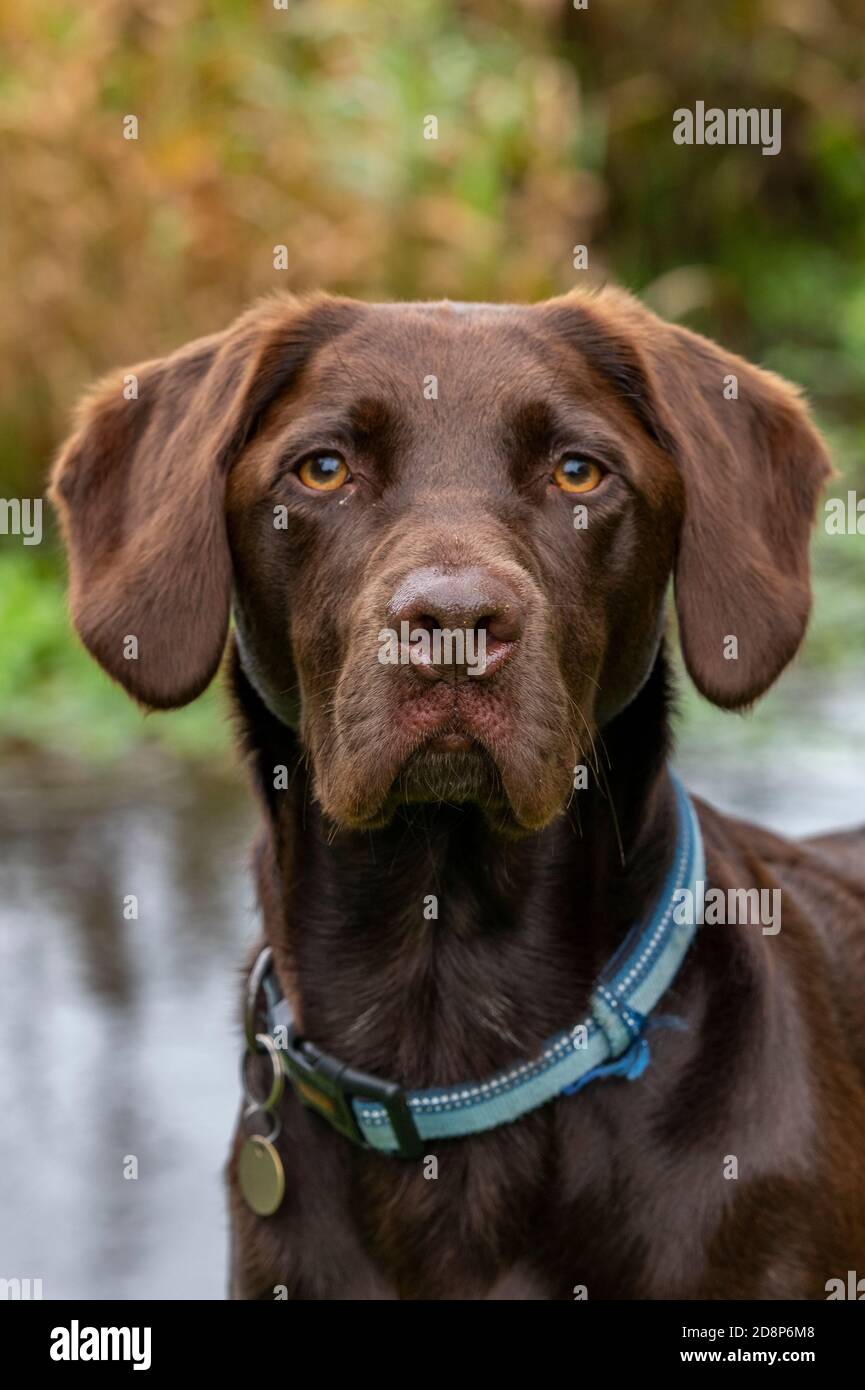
(576, 474)
(324, 472)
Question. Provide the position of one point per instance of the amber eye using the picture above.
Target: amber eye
(324, 472)
(575, 474)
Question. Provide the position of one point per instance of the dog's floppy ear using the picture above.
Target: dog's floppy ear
(752, 466)
(140, 488)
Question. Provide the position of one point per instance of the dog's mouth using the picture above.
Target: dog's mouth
(504, 746)
(451, 768)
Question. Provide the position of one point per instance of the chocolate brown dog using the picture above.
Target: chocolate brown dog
(439, 899)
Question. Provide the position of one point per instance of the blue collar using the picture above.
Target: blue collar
(609, 1041)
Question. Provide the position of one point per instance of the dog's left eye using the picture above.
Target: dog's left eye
(324, 472)
(575, 474)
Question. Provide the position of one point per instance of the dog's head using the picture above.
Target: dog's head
(446, 531)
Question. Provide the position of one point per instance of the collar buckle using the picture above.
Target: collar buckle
(328, 1086)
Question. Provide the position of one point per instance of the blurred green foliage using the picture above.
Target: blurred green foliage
(304, 126)
(55, 698)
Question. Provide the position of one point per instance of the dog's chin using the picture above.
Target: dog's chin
(453, 775)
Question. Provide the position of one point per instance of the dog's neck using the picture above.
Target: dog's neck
(438, 949)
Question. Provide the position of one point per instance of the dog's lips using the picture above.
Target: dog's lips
(451, 743)
(442, 748)
(464, 723)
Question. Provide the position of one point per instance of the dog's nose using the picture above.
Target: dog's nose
(456, 622)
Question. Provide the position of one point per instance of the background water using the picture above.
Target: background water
(121, 1037)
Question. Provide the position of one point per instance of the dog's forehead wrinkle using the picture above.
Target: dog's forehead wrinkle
(438, 391)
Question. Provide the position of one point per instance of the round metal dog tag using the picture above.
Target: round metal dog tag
(261, 1176)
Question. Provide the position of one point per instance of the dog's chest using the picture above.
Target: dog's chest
(494, 1217)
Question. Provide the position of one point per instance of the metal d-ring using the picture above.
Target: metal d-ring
(259, 1109)
(253, 986)
(264, 1043)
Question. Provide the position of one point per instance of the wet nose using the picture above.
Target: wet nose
(457, 622)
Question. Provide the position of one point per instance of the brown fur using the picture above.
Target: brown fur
(168, 507)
